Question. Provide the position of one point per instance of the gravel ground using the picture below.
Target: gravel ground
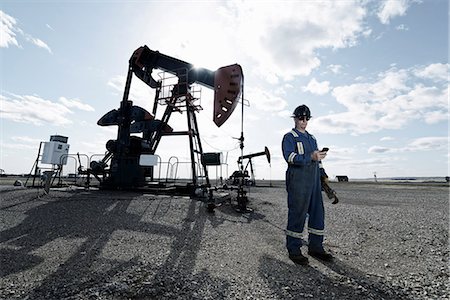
(389, 242)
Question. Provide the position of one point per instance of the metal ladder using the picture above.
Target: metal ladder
(183, 102)
(199, 170)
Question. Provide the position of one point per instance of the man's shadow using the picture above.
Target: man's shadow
(291, 281)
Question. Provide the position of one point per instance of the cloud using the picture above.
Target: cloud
(336, 69)
(390, 9)
(287, 35)
(284, 114)
(25, 139)
(8, 30)
(402, 27)
(7, 35)
(350, 165)
(76, 103)
(428, 143)
(436, 71)
(140, 93)
(117, 83)
(419, 144)
(263, 100)
(33, 110)
(377, 149)
(17, 146)
(387, 138)
(393, 100)
(436, 117)
(318, 88)
(38, 43)
(21, 143)
(371, 162)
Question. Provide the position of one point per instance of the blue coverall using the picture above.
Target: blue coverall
(304, 191)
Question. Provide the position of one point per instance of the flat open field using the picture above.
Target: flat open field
(390, 241)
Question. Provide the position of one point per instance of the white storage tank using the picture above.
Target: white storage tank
(55, 151)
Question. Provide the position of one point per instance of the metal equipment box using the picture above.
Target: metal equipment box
(55, 153)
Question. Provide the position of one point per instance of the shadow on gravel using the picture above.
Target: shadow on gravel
(14, 261)
(175, 279)
(290, 281)
(92, 218)
(367, 283)
(12, 198)
(230, 210)
(80, 216)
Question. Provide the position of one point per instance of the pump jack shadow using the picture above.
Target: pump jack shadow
(93, 219)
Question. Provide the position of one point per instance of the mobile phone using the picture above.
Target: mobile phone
(325, 149)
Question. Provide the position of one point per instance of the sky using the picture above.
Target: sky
(375, 75)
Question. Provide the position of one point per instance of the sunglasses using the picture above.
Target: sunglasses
(304, 118)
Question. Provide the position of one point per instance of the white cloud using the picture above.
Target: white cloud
(284, 114)
(140, 93)
(318, 88)
(387, 138)
(431, 143)
(355, 167)
(391, 102)
(436, 117)
(25, 139)
(76, 103)
(378, 149)
(336, 69)
(428, 143)
(99, 141)
(287, 34)
(117, 83)
(19, 143)
(8, 29)
(402, 27)
(390, 9)
(263, 100)
(7, 35)
(434, 71)
(18, 146)
(38, 43)
(33, 110)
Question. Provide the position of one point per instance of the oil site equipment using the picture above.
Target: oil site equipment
(122, 166)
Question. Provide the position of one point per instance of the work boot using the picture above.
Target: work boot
(320, 254)
(299, 258)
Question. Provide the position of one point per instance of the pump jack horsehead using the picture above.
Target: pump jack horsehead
(131, 158)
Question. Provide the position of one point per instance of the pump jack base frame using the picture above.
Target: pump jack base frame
(244, 210)
(242, 200)
(186, 190)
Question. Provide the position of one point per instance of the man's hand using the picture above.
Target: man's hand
(318, 155)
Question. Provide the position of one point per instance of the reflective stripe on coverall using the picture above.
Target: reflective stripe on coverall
(304, 191)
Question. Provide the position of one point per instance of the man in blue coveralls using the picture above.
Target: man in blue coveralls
(304, 189)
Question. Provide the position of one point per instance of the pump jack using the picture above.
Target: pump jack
(266, 152)
(126, 152)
